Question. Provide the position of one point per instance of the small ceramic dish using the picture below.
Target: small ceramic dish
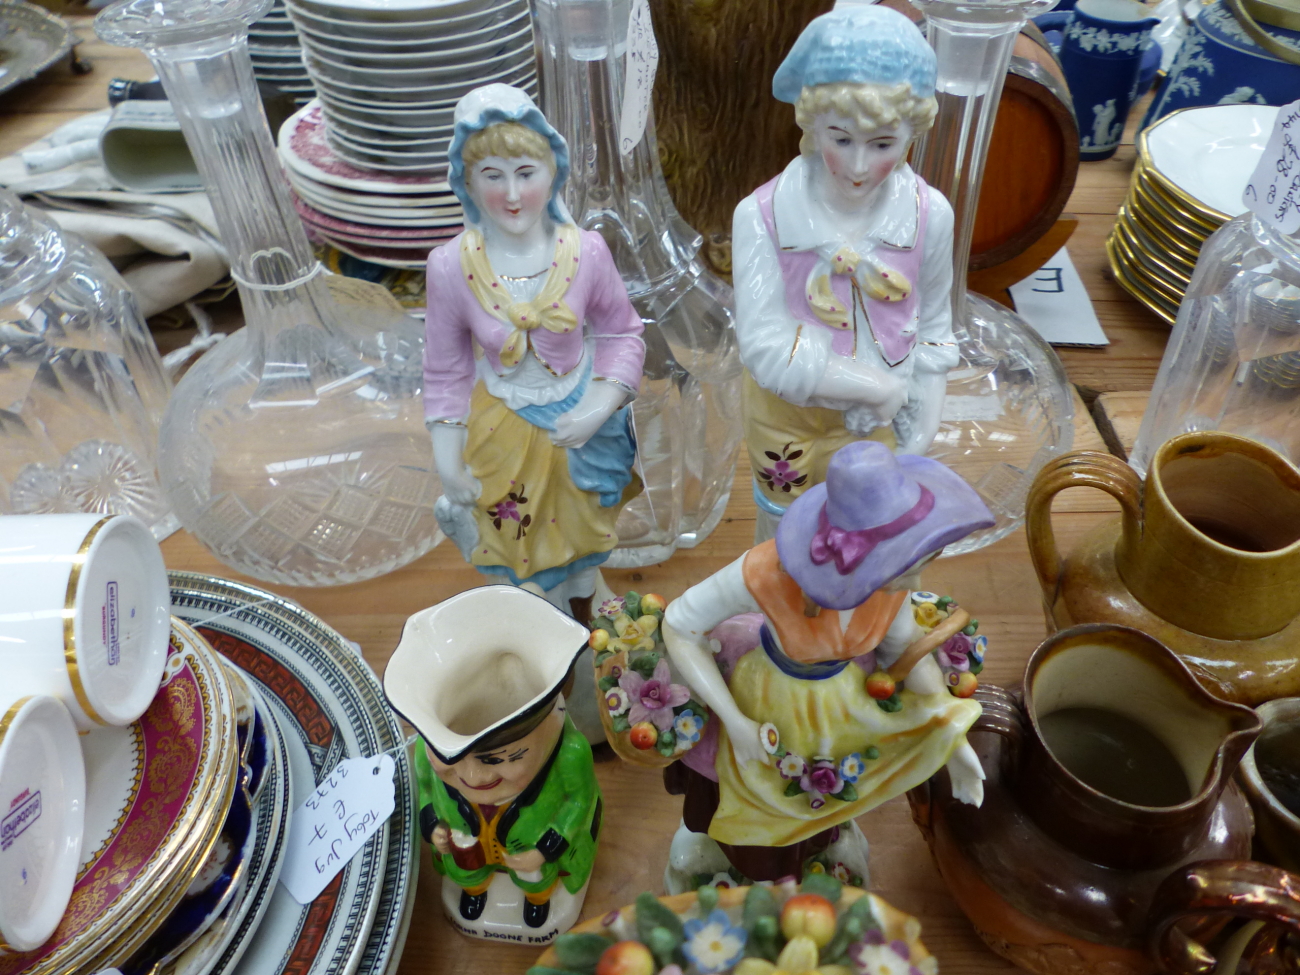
(435, 205)
(489, 59)
(365, 128)
(446, 49)
(379, 142)
(431, 35)
(1209, 153)
(304, 148)
(413, 236)
(381, 216)
(427, 98)
(43, 799)
(394, 10)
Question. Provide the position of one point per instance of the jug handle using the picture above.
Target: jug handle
(1082, 468)
(1215, 890)
(1000, 714)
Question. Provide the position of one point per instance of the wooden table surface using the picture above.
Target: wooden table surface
(997, 583)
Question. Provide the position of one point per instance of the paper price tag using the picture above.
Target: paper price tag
(638, 76)
(334, 822)
(1273, 193)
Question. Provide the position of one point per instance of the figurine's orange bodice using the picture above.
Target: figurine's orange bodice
(809, 639)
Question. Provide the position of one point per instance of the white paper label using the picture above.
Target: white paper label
(638, 76)
(1054, 301)
(1273, 193)
(335, 821)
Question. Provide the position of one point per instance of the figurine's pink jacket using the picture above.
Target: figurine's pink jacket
(455, 319)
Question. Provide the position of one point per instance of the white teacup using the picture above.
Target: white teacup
(85, 613)
(42, 817)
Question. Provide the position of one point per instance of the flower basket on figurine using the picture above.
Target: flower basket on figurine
(819, 928)
(648, 720)
(950, 634)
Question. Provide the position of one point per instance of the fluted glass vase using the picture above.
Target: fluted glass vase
(687, 418)
(1009, 408)
(295, 450)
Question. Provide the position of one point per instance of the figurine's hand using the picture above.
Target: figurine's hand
(598, 403)
(461, 487)
(442, 839)
(458, 484)
(966, 775)
(746, 745)
(855, 385)
(529, 861)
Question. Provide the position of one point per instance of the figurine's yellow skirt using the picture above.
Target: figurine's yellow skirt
(830, 718)
(788, 442)
(530, 515)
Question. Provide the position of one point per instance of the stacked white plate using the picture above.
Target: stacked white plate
(389, 72)
(277, 56)
(388, 218)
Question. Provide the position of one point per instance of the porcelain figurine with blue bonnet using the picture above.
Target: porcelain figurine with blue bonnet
(843, 262)
(507, 791)
(532, 354)
(837, 683)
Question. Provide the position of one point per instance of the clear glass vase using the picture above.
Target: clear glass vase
(687, 418)
(296, 449)
(81, 386)
(1233, 360)
(1009, 408)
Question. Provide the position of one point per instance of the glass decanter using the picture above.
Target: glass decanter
(296, 448)
(1233, 360)
(1009, 408)
(687, 418)
(81, 385)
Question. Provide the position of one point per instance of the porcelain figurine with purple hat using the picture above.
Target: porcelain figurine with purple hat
(837, 683)
(843, 262)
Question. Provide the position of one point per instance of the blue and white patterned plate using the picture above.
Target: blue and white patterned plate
(329, 706)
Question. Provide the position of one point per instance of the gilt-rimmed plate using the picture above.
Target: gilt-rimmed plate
(329, 706)
(155, 794)
(220, 947)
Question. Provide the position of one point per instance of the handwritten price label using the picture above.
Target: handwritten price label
(335, 821)
(638, 77)
(1273, 193)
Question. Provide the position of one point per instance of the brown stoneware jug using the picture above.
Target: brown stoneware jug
(1108, 771)
(1205, 557)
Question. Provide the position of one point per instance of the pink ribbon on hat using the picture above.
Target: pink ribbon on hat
(849, 548)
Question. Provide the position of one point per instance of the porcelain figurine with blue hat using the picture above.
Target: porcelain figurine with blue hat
(843, 262)
(837, 682)
(532, 354)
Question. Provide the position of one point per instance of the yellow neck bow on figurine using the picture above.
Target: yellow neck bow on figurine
(548, 310)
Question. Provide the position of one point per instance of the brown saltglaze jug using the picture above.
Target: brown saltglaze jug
(1110, 770)
(1205, 557)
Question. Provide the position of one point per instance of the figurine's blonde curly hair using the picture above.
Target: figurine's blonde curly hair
(509, 140)
(871, 106)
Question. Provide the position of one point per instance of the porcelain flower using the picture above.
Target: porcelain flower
(927, 614)
(921, 596)
(653, 700)
(823, 778)
(980, 647)
(617, 701)
(610, 607)
(852, 767)
(953, 655)
(798, 957)
(687, 727)
(792, 766)
(873, 956)
(712, 944)
(770, 737)
(633, 634)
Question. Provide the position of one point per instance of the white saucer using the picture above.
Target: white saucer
(1210, 152)
(303, 148)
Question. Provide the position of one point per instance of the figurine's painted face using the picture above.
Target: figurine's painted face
(859, 159)
(495, 776)
(513, 193)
